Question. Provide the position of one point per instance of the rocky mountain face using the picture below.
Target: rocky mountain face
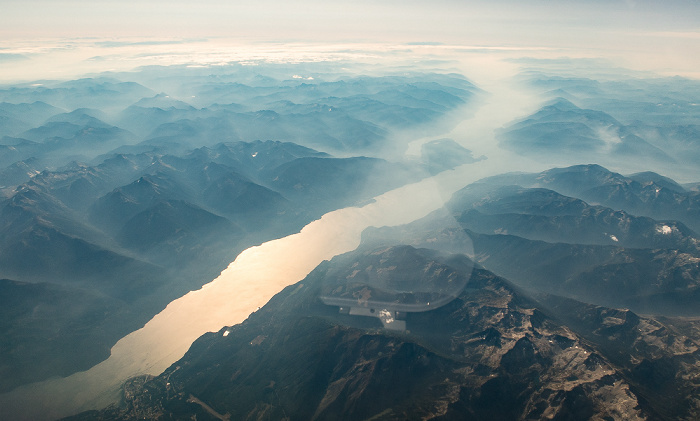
(540, 231)
(544, 214)
(648, 195)
(658, 354)
(491, 353)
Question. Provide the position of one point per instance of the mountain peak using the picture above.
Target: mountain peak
(562, 104)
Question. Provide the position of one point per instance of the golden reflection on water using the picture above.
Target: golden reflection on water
(248, 283)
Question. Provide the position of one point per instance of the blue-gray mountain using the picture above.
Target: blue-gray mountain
(631, 117)
(139, 230)
(562, 128)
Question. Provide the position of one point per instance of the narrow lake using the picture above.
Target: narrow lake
(260, 272)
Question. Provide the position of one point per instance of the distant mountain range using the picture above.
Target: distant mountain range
(562, 127)
(654, 119)
(86, 117)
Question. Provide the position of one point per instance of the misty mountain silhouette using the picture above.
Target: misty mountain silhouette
(562, 127)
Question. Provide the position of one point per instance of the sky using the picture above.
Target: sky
(662, 36)
(498, 21)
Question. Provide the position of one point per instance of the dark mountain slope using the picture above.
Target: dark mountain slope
(256, 158)
(324, 184)
(20, 172)
(489, 354)
(654, 354)
(176, 233)
(123, 203)
(542, 214)
(18, 149)
(657, 281)
(43, 254)
(650, 177)
(598, 185)
(239, 197)
(54, 330)
(562, 245)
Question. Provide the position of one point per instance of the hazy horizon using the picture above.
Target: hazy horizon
(48, 39)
